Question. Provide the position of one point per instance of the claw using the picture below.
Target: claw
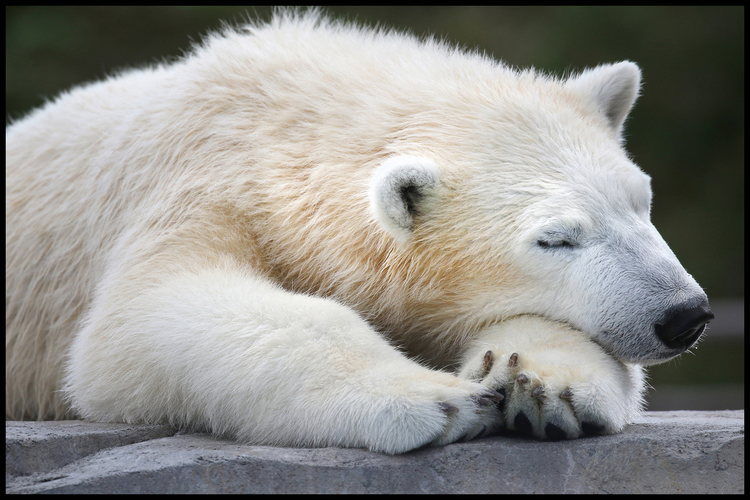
(487, 364)
(522, 379)
(496, 396)
(513, 361)
(482, 400)
(490, 398)
(448, 408)
(538, 393)
(567, 395)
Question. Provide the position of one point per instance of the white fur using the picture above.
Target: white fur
(612, 88)
(225, 243)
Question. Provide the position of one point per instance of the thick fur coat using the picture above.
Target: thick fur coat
(308, 234)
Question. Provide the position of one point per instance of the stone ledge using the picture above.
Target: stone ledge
(664, 452)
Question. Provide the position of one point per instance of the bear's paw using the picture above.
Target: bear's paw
(556, 383)
(434, 412)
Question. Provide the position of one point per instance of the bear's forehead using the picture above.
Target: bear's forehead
(590, 192)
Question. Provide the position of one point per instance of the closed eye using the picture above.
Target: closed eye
(555, 244)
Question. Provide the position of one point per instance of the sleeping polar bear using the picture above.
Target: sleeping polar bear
(312, 234)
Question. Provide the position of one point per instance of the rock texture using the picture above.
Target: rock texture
(665, 452)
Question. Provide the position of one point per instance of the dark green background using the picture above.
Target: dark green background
(686, 131)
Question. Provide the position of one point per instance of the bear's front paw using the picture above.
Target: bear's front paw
(426, 408)
(556, 383)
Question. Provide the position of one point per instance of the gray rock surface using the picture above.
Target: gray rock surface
(665, 452)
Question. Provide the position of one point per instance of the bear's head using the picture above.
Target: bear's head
(535, 208)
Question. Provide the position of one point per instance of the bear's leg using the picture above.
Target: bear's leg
(222, 350)
(557, 383)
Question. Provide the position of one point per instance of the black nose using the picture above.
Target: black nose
(682, 325)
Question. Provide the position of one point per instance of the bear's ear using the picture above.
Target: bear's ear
(397, 193)
(612, 87)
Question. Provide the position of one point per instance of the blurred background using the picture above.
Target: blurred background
(686, 131)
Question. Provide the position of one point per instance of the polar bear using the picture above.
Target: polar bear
(307, 233)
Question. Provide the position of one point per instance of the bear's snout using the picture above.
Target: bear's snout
(682, 325)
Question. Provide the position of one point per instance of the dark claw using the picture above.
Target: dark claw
(522, 379)
(590, 429)
(448, 408)
(523, 424)
(513, 361)
(554, 433)
(538, 393)
(567, 395)
(483, 400)
(487, 364)
(489, 398)
(497, 396)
